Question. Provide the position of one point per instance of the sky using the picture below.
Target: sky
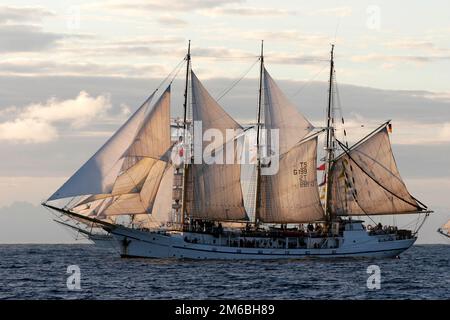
(71, 72)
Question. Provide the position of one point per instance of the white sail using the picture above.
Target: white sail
(291, 195)
(281, 114)
(143, 200)
(367, 181)
(216, 187)
(143, 165)
(98, 174)
(153, 138)
(145, 162)
(161, 213)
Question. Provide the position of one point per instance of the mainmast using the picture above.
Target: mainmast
(329, 144)
(185, 128)
(258, 130)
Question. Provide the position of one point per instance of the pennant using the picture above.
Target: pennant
(322, 167)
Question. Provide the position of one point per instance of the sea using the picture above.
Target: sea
(83, 271)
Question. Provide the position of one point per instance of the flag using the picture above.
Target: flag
(321, 167)
(323, 182)
(390, 127)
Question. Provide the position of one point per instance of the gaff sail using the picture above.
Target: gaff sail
(366, 180)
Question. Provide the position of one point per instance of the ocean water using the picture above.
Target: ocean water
(40, 272)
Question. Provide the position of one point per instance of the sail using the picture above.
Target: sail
(291, 195)
(145, 162)
(281, 114)
(367, 181)
(143, 200)
(161, 214)
(153, 138)
(98, 174)
(216, 187)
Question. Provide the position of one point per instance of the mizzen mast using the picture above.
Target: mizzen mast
(329, 144)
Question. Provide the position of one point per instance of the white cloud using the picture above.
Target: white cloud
(78, 111)
(125, 110)
(36, 122)
(27, 131)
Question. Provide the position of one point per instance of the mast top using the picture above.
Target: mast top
(188, 56)
(262, 51)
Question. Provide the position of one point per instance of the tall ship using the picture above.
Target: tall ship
(160, 198)
(445, 229)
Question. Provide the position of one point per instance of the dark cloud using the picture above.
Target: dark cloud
(61, 157)
(95, 69)
(22, 38)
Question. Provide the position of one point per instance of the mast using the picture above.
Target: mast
(258, 153)
(185, 127)
(329, 146)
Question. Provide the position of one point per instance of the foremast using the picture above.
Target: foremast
(258, 141)
(329, 143)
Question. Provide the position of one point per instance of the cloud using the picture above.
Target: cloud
(28, 67)
(21, 38)
(406, 133)
(138, 6)
(337, 12)
(36, 122)
(246, 11)
(78, 111)
(288, 36)
(27, 131)
(169, 20)
(276, 58)
(10, 14)
(399, 58)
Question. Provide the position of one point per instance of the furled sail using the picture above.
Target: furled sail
(280, 113)
(98, 174)
(290, 195)
(216, 187)
(366, 180)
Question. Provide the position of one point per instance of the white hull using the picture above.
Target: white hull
(356, 244)
(104, 241)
